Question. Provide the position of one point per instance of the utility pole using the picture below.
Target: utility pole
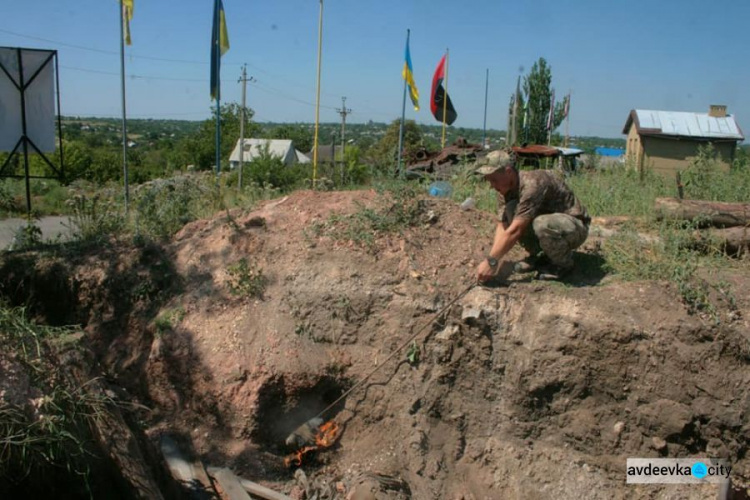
(343, 111)
(244, 79)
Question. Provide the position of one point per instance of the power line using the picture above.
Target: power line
(101, 51)
(151, 58)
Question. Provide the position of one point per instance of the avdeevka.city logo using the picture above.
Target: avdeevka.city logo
(677, 470)
(699, 470)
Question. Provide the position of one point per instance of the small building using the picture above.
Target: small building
(327, 153)
(667, 141)
(280, 148)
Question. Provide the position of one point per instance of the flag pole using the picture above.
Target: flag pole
(567, 120)
(403, 117)
(217, 62)
(317, 99)
(484, 126)
(124, 119)
(445, 99)
(514, 120)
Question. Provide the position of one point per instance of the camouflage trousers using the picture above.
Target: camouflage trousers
(557, 235)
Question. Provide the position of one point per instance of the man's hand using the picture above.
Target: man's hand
(485, 272)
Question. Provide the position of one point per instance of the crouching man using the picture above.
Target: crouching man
(540, 212)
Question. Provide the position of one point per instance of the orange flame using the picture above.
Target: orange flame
(325, 437)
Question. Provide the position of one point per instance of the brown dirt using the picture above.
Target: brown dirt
(516, 394)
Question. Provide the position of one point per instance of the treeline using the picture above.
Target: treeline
(158, 148)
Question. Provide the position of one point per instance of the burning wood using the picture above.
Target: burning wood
(324, 437)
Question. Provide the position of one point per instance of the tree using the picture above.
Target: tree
(201, 146)
(385, 152)
(538, 92)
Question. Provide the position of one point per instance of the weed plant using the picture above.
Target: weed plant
(398, 208)
(94, 218)
(164, 206)
(51, 430)
(246, 280)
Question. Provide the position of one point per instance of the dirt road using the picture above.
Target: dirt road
(51, 227)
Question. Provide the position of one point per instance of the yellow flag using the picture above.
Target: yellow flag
(127, 16)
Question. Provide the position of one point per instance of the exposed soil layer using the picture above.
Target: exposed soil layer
(528, 390)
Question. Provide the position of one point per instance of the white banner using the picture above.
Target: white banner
(39, 97)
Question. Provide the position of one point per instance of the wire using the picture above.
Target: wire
(110, 52)
(397, 350)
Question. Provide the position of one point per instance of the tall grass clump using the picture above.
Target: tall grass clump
(619, 190)
(44, 417)
(94, 217)
(164, 206)
(704, 178)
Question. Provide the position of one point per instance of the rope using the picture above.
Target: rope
(398, 349)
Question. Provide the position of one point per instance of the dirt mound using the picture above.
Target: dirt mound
(530, 390)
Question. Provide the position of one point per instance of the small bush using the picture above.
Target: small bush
(246, 280)
(704, 179)
(94, 218)
(399, 207)
(27, 236)
(163, 207)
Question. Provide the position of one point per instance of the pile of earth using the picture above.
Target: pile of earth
(525, 390)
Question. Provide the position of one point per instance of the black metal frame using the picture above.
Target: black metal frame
(24, 141)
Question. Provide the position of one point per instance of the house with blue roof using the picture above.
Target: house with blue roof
(667, 141)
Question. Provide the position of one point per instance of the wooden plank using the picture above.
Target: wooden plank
(229, 484)
(261, 491)
(188, 473)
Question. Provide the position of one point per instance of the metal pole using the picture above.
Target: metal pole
(242, 127)
(124, 119)
(484, 126)
(59, 119)
(317, 98)
(445, 99)
(217, 54)
(401, 125)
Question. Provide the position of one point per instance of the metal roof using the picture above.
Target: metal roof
(685, 124)
(570, 151)
(281, 148)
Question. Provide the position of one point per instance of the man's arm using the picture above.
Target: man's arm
(505, 239)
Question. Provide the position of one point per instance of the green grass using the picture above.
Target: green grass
(246, 280)
(51, 431)
(397, 208)
(619, 191)
(669, 251)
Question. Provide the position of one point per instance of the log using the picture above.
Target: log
(715, 213)
(732, 240)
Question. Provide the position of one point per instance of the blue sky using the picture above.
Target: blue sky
(678, 55)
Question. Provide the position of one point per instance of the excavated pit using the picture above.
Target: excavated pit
(527, 391)
(285, 403)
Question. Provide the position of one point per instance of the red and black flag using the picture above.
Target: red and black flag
(439, 97)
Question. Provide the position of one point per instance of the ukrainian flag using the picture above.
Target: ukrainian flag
(219, 46)
(127, 6)
(408, 74)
